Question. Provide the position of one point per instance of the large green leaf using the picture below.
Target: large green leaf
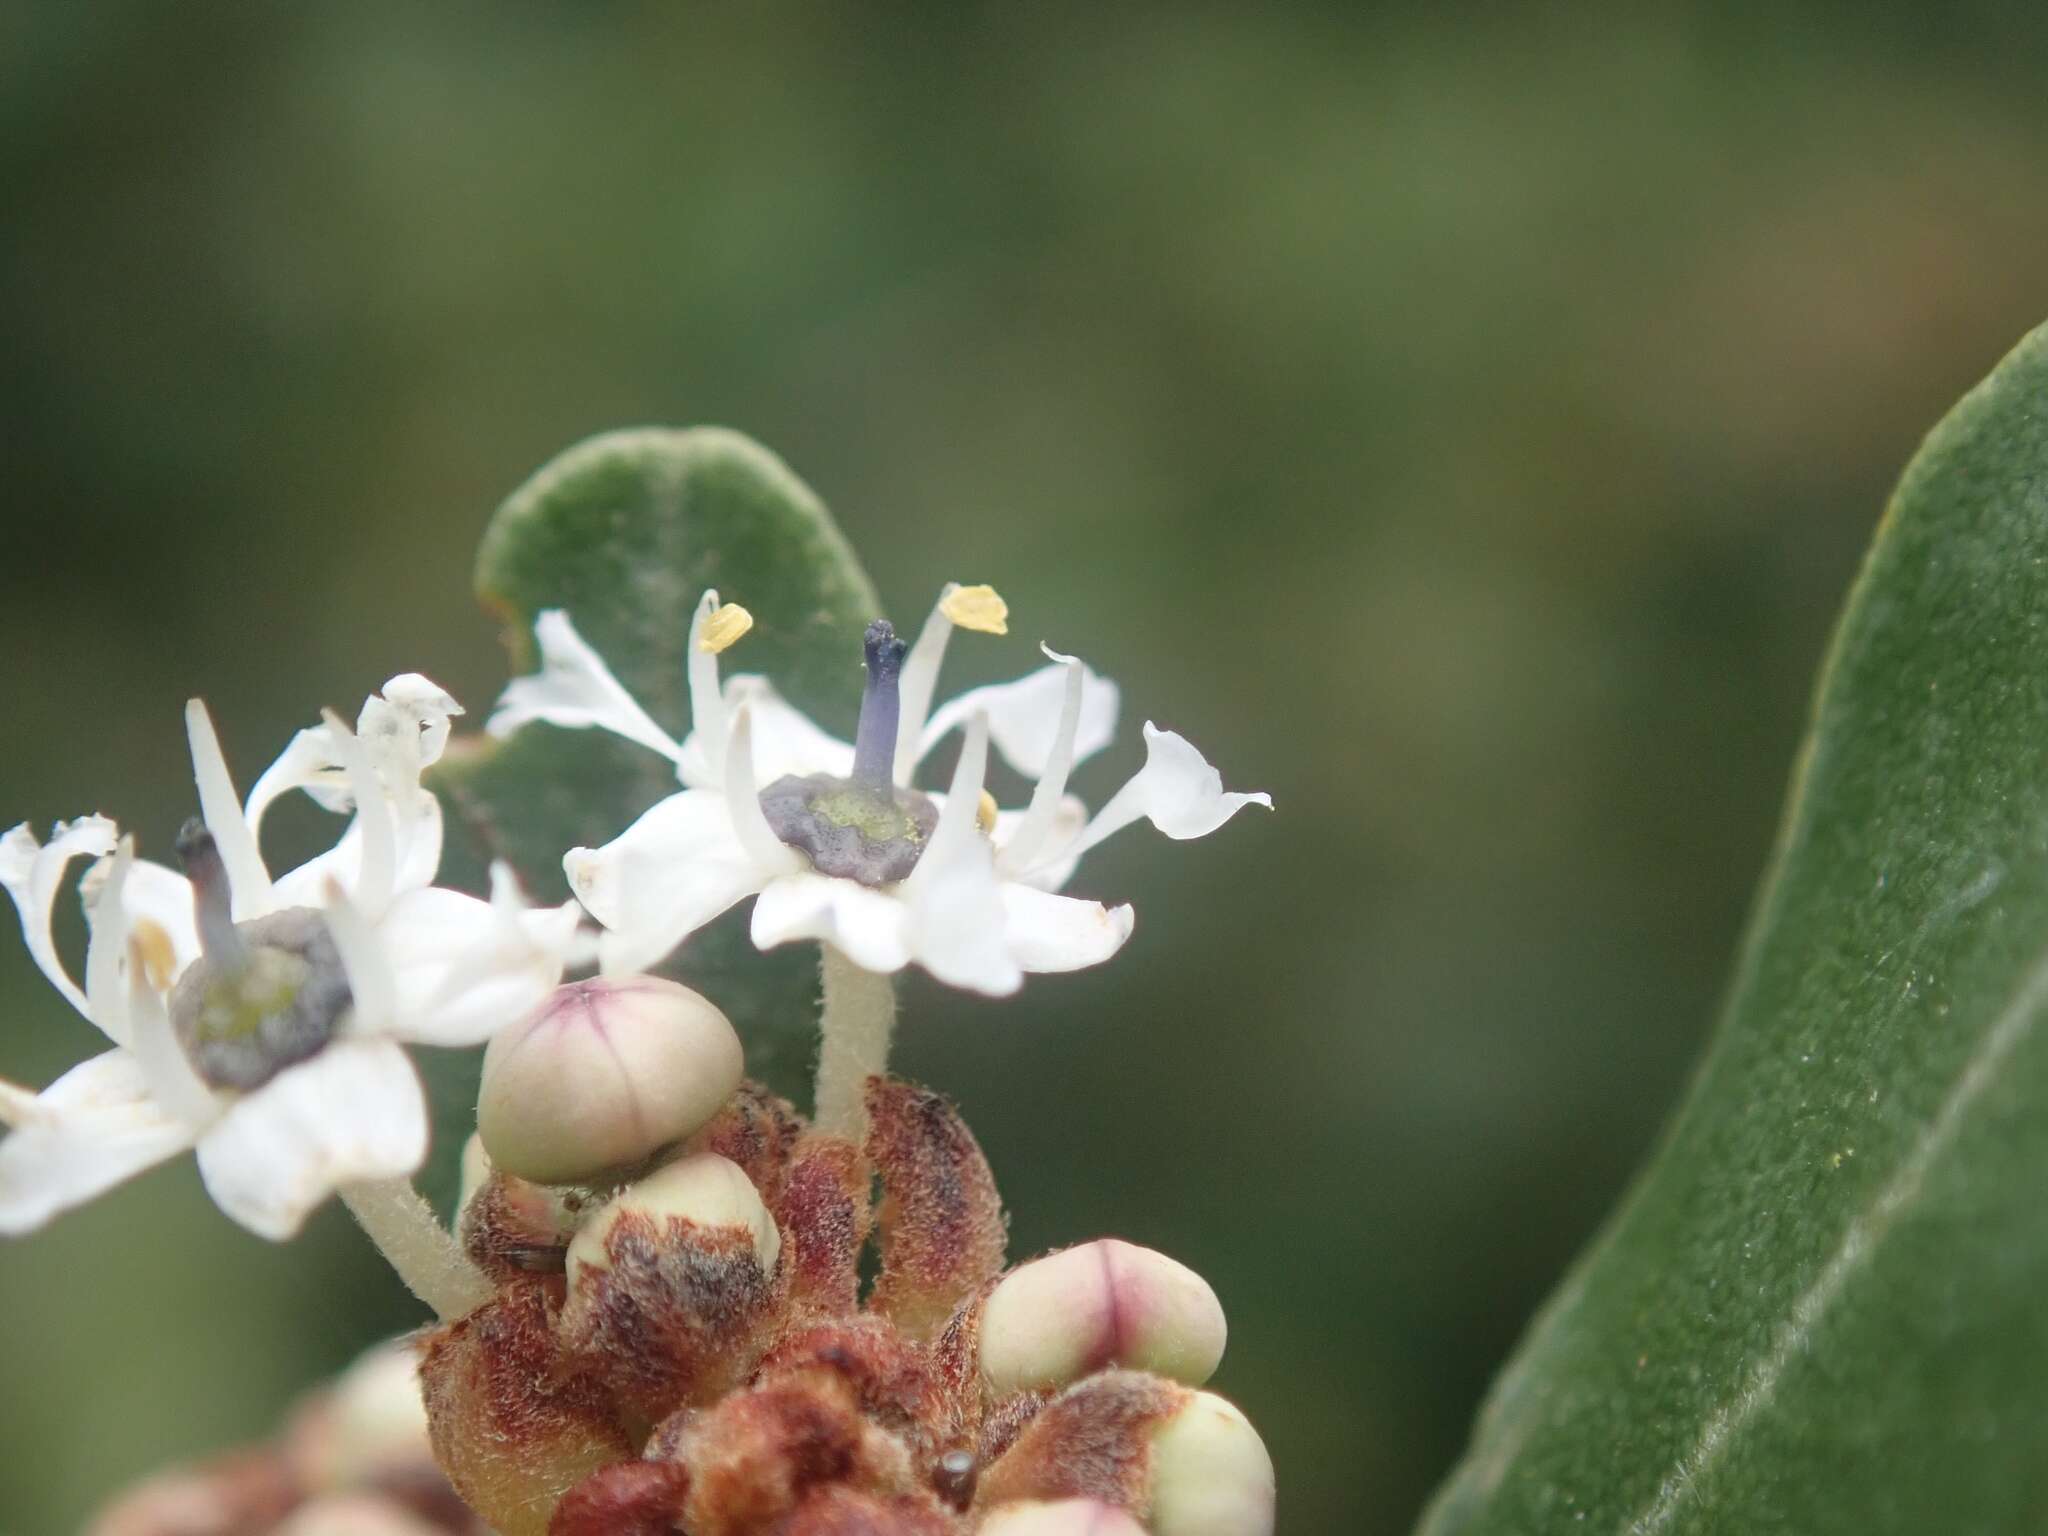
(625, 531)
(1824, 1307)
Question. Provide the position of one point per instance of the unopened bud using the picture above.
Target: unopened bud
(476, 1167)
(1061, 1517)
(1056, 1319)
(602, 1074)
(676, 1280)
(703, 1191)
(1211, 1475)
(1186, 1463)
(243, 1491)
(355, 1514)
(513, 1228)
(371, 1424)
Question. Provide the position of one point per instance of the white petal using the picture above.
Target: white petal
(785, 739)
(419, 860)
(376, 876)
(961, 806)
(88, 1131)
(372, 983)
(1177, 791)
(920, 677)
(1024, 717)
(558, 931)
(162, 1061)
(575, 689)
(401, 732)
(707, 701)
(959, 923)
(354, 1112)
(743, 802)
(954, 897)
(412, 713)
(161, 898)
(1056, 866)
(419, 847)
(31, 872)
(665, 876)
(221, 809)
(1059, 933)
(867, 926)
(106, 949)
(1033, 841)
(464, 968)
(309, 762)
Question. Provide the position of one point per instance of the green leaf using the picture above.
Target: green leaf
(1824, 1306)
(625, 531)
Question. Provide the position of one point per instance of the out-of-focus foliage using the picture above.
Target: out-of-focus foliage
(1820, 1310)
(1463, 425)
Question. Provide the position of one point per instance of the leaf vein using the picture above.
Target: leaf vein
(1859, 1239)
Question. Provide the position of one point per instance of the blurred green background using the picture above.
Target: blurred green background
(1461, 422)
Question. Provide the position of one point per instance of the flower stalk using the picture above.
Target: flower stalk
(857, 1027)
(401, 1224)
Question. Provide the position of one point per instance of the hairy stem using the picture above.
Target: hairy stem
(429, 1261)
(859, 1022)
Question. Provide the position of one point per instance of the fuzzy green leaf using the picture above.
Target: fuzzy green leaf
(625, 531)
(1824, 1307)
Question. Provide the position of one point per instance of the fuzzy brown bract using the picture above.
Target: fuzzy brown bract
(515, 1422)
(696, 1372)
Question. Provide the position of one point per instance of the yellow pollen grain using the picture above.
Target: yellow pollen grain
(158, 955)
(985, 812)
(979, 608)
(724, 625)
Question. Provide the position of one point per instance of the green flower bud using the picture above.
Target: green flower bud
(1210, 1473)
(370, 1425)
(1059, 1318)
(355, 1514)
(1184, 1463)
(704, 1192)
(676, 1280)
(1059, 1517)
(604, 1073)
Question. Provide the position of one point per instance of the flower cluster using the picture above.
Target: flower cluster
(653, 1314)
(833, 840)
(258, 1018)
(690, 1349)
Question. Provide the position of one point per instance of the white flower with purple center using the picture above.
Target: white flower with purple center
(833, 839)
(258, 1020)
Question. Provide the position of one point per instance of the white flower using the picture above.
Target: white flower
(340, 960)
(967, 892)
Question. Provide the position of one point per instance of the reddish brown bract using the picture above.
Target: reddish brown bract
(630, 1498)
(1092, 1441)
(823, 1212)
(941, 1219)
(678, 1315)
(721, 1379)
(515, 1423)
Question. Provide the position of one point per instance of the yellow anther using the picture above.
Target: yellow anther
(722, 626)
(153, 947)
(979, 608)
(985, 812)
